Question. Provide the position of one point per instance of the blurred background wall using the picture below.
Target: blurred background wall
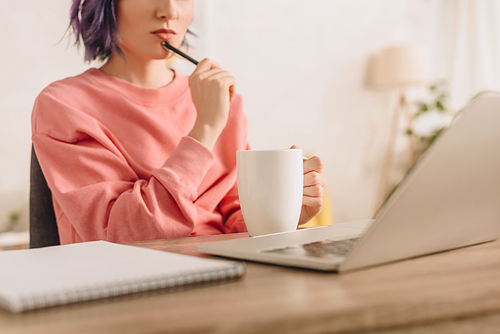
(300, 66)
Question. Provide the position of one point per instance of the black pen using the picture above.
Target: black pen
(179, 52)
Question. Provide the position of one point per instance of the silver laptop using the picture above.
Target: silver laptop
(450, 199)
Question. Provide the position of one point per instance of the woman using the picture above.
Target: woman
(136, 151)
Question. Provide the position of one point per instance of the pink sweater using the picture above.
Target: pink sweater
(121, 168)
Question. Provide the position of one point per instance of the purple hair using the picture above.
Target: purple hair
(94, 24)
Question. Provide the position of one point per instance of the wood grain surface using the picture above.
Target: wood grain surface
(451, 292)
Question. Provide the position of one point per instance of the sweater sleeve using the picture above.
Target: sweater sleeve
(104, 199)
(231, 211)
(101, 195)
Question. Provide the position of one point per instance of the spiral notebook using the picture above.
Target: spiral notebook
(37, 278)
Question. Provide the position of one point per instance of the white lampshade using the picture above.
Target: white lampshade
(400, 66)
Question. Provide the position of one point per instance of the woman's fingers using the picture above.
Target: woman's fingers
(314, 203)
(232, 90)
(205, 65)
(219, 75)
(314, 178)
(212, 89)
(314, 164)
(314, 188)
(314, 181)
(211, 74)
(314, 191)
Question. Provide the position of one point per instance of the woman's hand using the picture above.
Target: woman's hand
(212, 90)
(314, 189)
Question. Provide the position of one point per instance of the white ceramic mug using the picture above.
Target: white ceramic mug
(270, 187)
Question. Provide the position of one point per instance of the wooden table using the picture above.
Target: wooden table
(451, 292)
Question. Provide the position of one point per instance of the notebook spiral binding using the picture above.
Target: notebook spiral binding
(111, 289)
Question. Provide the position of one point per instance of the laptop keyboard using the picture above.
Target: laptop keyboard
(324, 249)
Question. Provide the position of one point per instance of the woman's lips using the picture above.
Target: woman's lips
(164, 34)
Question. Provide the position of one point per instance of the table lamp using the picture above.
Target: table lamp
(397, 67)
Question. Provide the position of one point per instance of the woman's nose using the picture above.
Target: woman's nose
(167, 10)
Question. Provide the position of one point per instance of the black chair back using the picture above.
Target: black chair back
(43, 226)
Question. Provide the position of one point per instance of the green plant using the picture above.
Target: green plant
(13, 220)
(437, 103)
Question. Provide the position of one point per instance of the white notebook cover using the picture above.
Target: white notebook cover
(36, 278)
